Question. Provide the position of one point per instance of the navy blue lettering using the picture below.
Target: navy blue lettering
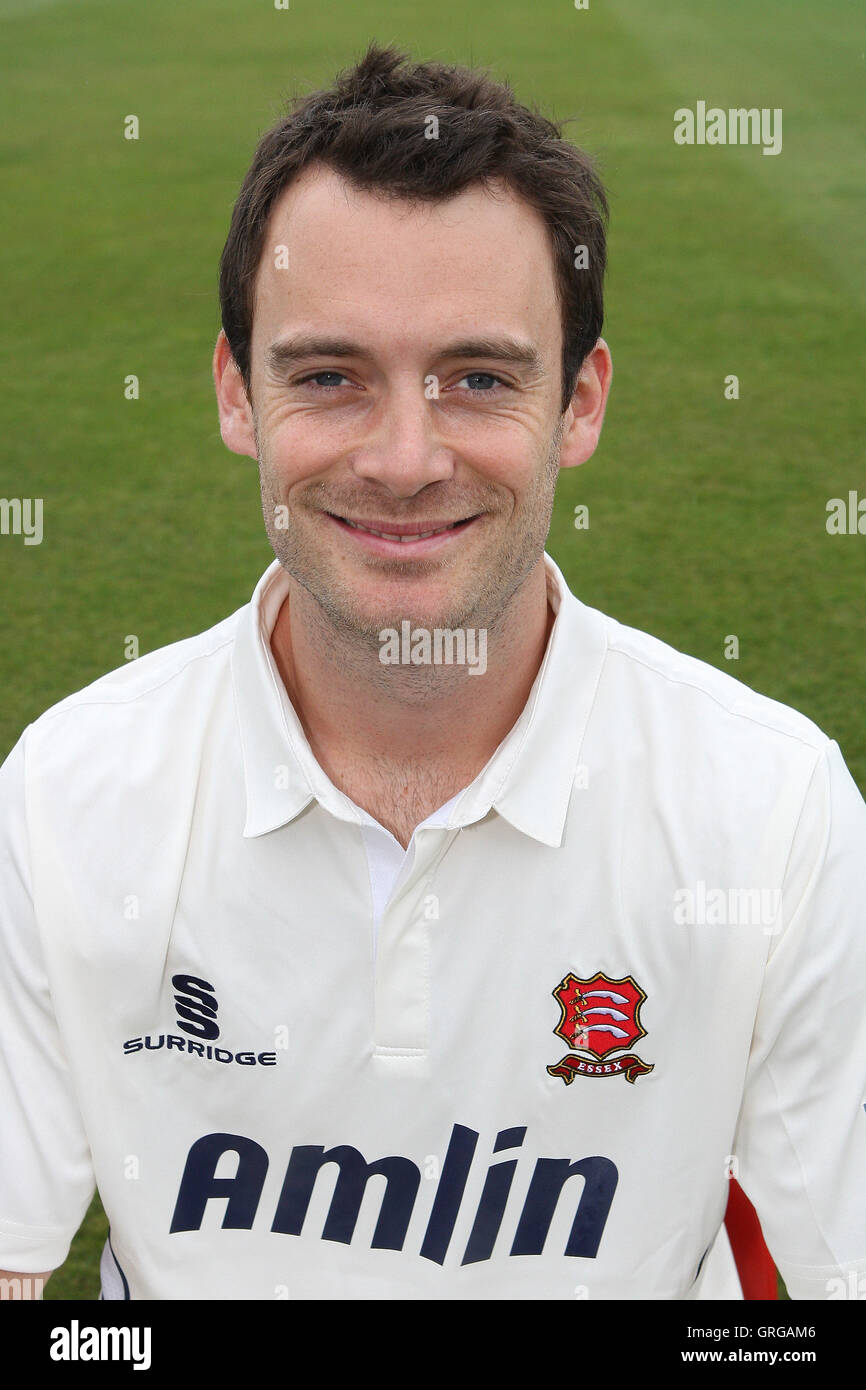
(401, 1178)
(600, 1178)
(449, 1193)
(243, 1191)
(198, 1184)
(491, 1208)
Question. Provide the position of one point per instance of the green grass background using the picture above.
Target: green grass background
(707, 517)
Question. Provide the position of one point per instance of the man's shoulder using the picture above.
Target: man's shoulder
(176, 681)
(690, 688)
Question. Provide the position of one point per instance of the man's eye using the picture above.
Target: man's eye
(324, 385)
(481, 382)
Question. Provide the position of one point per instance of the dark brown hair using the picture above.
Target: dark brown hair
(370, 127)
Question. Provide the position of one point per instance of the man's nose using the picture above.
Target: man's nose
(404, 449)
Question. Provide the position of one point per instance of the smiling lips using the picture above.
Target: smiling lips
(403, 532)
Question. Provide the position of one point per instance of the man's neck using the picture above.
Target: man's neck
(400, 741)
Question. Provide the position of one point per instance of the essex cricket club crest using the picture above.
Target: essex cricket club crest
(600, 1017)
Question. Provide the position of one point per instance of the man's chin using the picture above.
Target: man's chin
(371, 625)
(361, 605)
(438, 607)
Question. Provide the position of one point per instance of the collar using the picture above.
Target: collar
(529, 778)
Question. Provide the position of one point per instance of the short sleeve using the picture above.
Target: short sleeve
(46, 1173)
(801, 1137)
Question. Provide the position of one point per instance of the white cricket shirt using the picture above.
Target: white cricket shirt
(633, 957)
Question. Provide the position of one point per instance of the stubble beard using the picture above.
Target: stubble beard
(490, 587)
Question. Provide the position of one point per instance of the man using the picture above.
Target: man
(360, 947)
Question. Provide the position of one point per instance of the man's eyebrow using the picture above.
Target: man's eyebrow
(286, 352)
(503, 349)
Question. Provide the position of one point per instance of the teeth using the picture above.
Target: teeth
(389, 536)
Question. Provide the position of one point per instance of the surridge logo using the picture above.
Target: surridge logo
(196, 1005)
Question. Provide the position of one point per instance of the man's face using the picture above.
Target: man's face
(406, 377)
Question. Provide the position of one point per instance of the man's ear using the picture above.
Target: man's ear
(236, 416)
(584, 416)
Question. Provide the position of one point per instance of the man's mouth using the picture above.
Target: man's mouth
(405, 532)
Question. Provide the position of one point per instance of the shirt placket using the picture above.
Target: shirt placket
(402, 966)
